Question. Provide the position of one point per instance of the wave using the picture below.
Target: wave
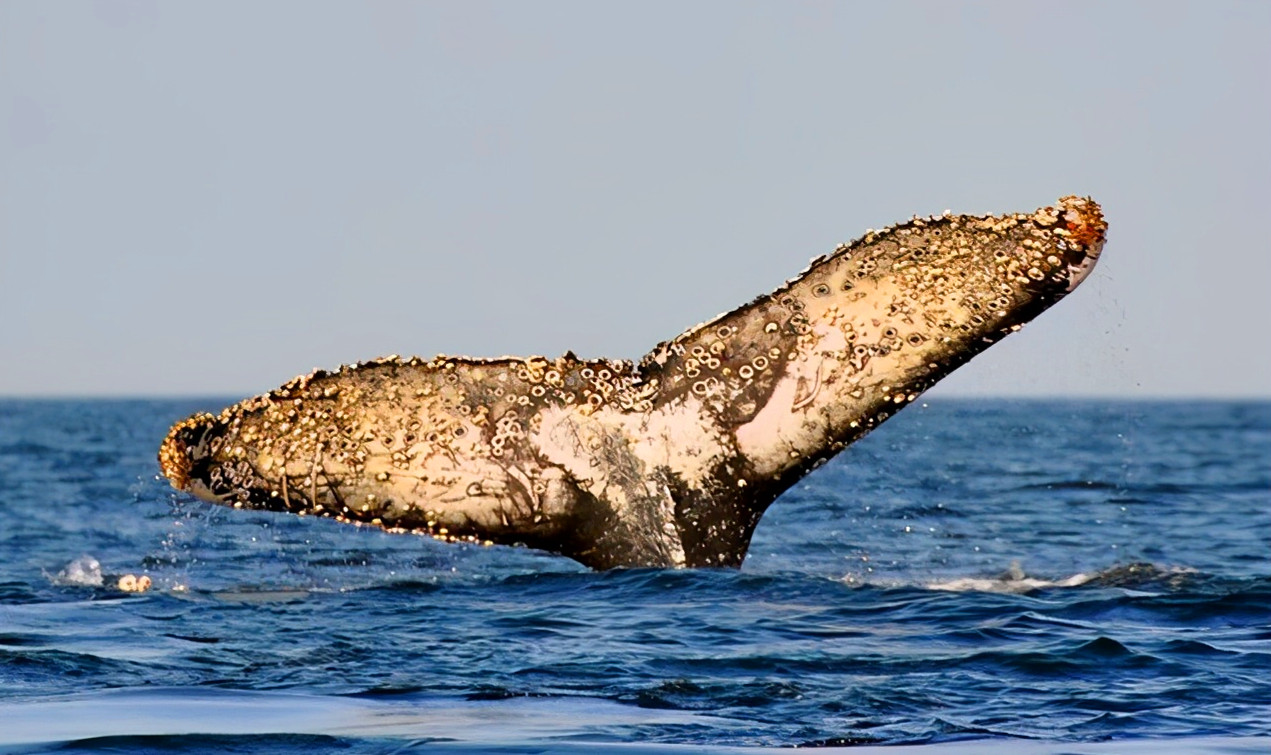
(200, 719)
(1136, 575)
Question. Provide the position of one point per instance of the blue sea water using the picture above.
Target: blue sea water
(976, 576)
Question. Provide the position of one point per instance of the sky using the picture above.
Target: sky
(210, 198)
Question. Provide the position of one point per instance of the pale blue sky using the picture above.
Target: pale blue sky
(211, 198)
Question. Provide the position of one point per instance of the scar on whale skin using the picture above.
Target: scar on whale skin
(670, 461)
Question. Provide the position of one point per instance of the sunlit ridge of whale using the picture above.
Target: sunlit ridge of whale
(667, 462)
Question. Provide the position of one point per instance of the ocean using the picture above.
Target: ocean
(975, 576)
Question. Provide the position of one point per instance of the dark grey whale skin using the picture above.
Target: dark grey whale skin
(668, 462)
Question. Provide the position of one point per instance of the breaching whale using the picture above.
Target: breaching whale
(667, 462)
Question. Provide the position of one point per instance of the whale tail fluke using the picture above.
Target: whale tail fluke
(668, 462)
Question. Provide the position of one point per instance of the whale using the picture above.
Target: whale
(667, 462)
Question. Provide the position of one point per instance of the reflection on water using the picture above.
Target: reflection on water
(126, 719)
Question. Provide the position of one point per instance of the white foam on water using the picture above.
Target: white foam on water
(84, 571)
(1007, 584)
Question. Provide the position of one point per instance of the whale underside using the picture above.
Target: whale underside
(669, 461)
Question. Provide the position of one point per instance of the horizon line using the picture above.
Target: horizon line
(957, 396)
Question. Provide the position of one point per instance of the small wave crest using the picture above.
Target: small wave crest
(84, 571)
(1016, 580)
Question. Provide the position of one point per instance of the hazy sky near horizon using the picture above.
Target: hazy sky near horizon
(209, 198)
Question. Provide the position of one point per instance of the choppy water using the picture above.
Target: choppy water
(974, 577)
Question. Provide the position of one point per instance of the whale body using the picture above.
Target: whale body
(668, 462)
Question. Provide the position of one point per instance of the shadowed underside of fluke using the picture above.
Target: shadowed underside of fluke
(667, 462)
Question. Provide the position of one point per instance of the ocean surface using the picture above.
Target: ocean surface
(976, 576)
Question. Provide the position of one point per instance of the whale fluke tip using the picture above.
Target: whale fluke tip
(174, 454)
(1083, 218)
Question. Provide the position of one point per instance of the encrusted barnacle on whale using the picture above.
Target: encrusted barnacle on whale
(670, 461)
